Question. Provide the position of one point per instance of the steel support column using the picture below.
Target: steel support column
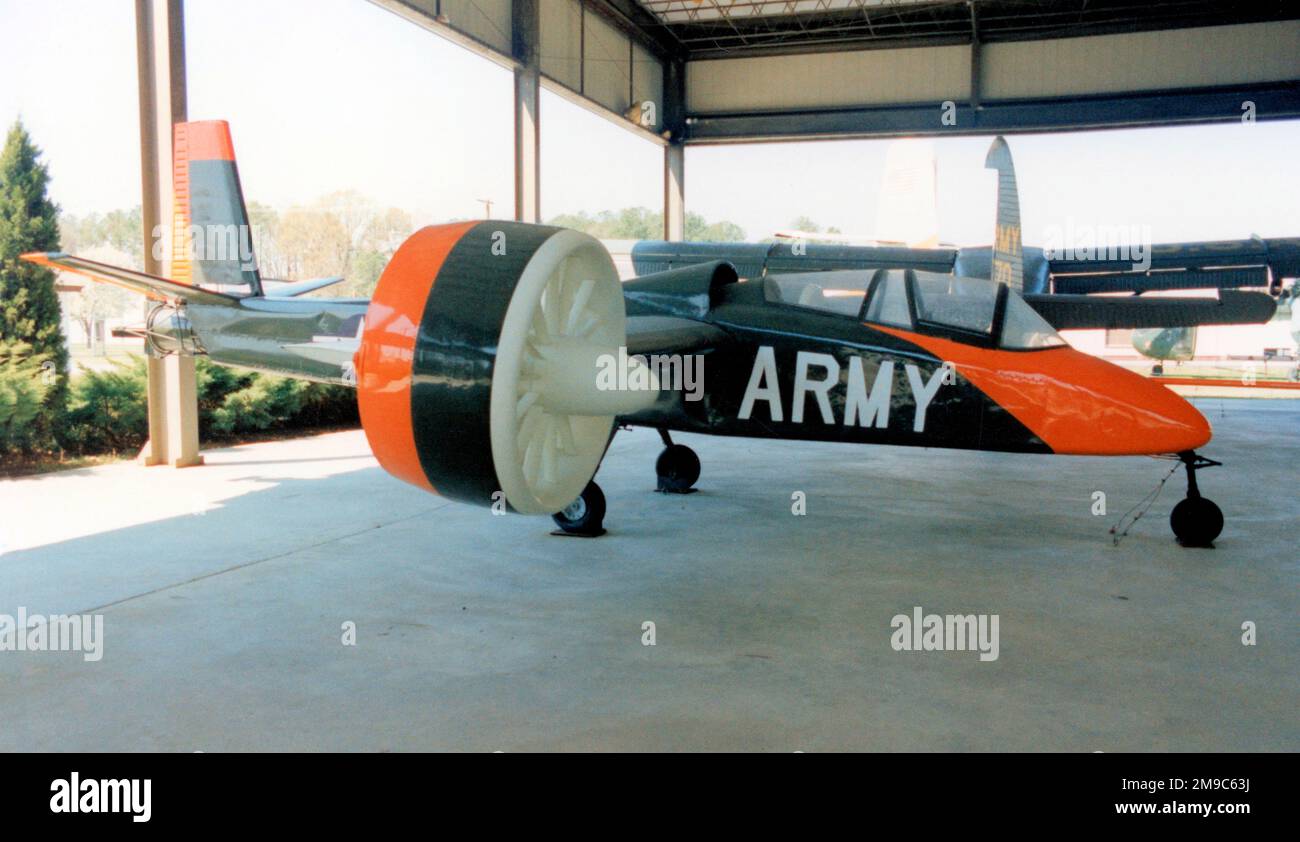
(160, 57)
(525, 38)
(674, 120)
(675, 192)
(976, 57)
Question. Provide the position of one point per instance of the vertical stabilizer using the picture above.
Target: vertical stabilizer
(212, 241)
(1008, 251)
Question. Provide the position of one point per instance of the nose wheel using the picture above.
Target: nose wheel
(1196, 521)
(677, 467)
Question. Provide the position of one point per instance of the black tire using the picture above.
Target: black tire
(1196, 522)
(677, 468)
(584, 516)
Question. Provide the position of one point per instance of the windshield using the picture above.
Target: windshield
(962, 303)
(839, 291)
(950, 305)
(888, 304)
(1023, 328)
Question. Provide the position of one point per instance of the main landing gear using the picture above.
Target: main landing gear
(584, 517)
(1196, 521)
(677, 467)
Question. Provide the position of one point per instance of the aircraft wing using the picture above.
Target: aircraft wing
(1218, 265)
(1073, 312)
(754, 260)
(159, 289)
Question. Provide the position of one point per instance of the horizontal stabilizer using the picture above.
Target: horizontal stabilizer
(159, 289)
(1077, 312)
(297, 288)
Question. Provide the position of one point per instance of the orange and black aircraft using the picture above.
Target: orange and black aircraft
(496, 359)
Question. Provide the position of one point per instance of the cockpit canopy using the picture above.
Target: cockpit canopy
(972, 310)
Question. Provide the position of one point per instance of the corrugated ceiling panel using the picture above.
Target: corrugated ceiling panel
(609, 71)
(561, 41)
(828, 80)
(1220, 55)
(486, 20)
(648, 83)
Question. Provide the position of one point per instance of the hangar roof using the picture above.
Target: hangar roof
(717, 28)
(719, 71)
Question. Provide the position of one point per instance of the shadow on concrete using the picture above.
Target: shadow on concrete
(291, 514)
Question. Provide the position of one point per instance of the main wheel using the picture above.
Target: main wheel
(585, 515)
(677, 468)
(1196, 522)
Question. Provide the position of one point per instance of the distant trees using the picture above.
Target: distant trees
(698, 229)
(97, 303)
(33, 356)
(343, 233)
(120, 230)
(625, 224)
(803, 225)
(808, 226)
(115, 237)
(645, 224)
(346, 234)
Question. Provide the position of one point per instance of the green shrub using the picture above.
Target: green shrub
(108, 412)
(265, 403)
(243, 402)
(24, 382)
(109, 408)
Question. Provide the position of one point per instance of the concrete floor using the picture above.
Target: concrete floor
(224, 590)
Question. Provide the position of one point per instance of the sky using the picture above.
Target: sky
(341, 94)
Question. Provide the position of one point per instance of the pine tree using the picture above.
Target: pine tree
(29, 305)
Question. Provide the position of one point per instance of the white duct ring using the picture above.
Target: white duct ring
(568, 302)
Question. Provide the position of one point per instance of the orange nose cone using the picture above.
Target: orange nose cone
(1105, 410)
(1160, 421)
(1081, 405)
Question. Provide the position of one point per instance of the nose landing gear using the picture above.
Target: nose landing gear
(1196, 521)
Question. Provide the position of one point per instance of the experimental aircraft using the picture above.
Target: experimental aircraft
(496, 359)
